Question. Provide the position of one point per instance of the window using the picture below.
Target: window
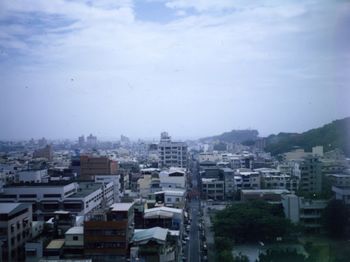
(75, 238)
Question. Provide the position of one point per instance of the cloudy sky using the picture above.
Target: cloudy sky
(191, 67)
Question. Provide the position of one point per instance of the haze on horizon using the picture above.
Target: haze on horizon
(194, 68)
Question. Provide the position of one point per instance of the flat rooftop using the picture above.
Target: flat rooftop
(50, 184)
(121, 206)
(6, 208)
(85, 189)
(265, 191)
(55, 244)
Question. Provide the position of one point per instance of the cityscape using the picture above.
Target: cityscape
(166, 200)
(174, 131)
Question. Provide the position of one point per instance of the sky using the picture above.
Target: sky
(193, 68)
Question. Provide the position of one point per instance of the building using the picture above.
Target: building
(213, 188)
(154, 244)
(81, 141)
(74, 243)
(107, 233)
(304, 211)
(91, 141)
(172, 154)
(92, 166)
(250, 179)
(173, 179)
(341, 180)
(311, 175)
(168, 198)
(33, 176)
(45, 152)
(46, 198)
(342, 193)
(15, 229)
(165, 217)
(272, 195)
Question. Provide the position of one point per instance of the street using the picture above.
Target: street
(194, 254)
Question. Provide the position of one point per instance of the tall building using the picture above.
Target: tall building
(311, 175)
(15, 229)
(93, 166)
(81, 141)
(91, 140)
(45, 152)
(172, 154)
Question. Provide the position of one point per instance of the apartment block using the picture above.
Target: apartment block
(15, 229)
(107, 233)
(91, 166)
(172, 154)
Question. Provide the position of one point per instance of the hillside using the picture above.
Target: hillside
(234, 136)
(333, 135)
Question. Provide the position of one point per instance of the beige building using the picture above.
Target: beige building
(15, 229)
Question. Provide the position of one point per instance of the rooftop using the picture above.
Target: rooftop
(121, 206)
(6, 208)
(50, 184)
(55, 244)
(172, 192)
(75, 231)
(265, 191)
(143, 236)
(85, 189)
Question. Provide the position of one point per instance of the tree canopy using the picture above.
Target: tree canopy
(251, 221)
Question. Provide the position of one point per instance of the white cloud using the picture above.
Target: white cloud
(205, 64)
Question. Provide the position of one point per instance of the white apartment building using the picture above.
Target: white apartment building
(171, 198)
(33, 176)
(172, 179)
(46, 198)
(172, 154)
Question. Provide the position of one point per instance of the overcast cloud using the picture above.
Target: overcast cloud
(191, 67)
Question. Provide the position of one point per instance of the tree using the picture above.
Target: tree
(251, 221)
(281, 256)
(335, 218)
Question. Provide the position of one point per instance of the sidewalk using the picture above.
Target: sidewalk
(209, 234)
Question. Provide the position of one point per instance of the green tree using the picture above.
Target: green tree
(251, 221)
(335, 218)
(281, 256)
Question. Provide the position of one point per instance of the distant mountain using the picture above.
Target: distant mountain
(235, 136)
(330, 136)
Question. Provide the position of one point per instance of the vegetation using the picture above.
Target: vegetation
(282, 256)
(251, 222)
(235, 136)
(330, 136)
(335, 218)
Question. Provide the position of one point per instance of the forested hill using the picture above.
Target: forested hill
(234, 136)
(330, 136)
